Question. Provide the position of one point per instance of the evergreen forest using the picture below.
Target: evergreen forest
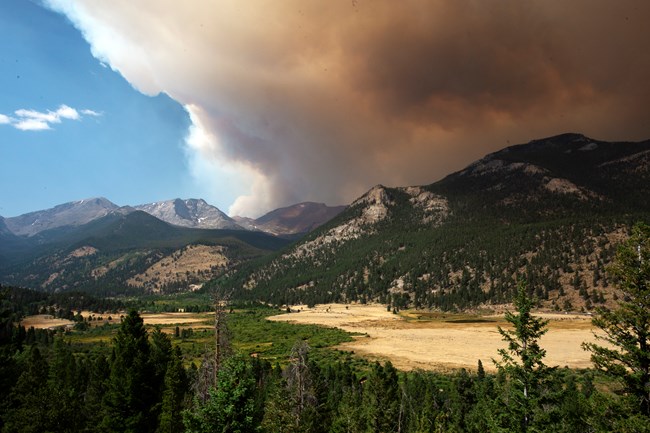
(145, 380)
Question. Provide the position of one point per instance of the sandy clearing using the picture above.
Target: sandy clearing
(439, 344)
(175, 318)
(152, 319)
(44, 321)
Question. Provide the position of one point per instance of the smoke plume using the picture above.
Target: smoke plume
(321, 100)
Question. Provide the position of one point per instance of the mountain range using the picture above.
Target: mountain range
(550, 211)
(96, 245)
(191, 213)
(68, 214)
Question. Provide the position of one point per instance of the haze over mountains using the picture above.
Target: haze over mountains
(299, 218)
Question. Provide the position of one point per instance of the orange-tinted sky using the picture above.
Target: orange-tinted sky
(319, 100)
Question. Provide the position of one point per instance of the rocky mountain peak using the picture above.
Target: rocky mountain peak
(68, 214)
(192, 213)
(375, 203)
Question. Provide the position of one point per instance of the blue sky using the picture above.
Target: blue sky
(124, 145)
(252, 107)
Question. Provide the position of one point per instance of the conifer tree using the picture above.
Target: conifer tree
(230, 407)
(130, 397)
(29, 399)
(173, 395)
(522, 361)
(381, 394)
(65, 386)
(98, 374)
(278, 409)
(160, 356)
(627, 328)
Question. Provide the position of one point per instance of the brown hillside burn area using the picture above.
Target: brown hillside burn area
(442, 341)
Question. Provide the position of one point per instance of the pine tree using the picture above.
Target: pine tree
(65, 385)
(173, 395)
(522, 361)
(278, 410)
(381, 398)
(29, 398)
(230, 407)
(99, 371)
(627, 328)
(130, 397)
(349, 415)
(160, 356)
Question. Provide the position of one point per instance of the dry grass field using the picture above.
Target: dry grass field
(439, 341)
(193, 320)
(44, 321)
(176, 318)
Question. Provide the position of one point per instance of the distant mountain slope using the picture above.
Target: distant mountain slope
(556, 175)
(551, 211)
(8, 242)
(291, 220)
(68, 214)
(3, 226)
(191, 213)
(122, 253)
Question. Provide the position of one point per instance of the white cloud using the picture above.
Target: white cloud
(48, 117)
(93, 113)
(33, 120)
(67, 113)
(32, 125)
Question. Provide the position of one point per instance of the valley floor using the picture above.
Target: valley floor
(442, 341)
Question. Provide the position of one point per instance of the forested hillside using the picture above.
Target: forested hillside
(552, 210)
(143, 381)
(133, 253)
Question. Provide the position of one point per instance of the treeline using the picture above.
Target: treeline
(48, 386)
(26, 302)
(141, 385)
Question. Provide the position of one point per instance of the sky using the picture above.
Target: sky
(265, 103)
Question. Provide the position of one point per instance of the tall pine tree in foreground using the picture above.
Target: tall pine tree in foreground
(171, 419)
(230, 407)
(522, 362)
(130, 392)
(627, 328)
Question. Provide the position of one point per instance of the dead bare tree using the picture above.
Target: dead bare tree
(212, 361)
(299, 380)
(222, 348)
